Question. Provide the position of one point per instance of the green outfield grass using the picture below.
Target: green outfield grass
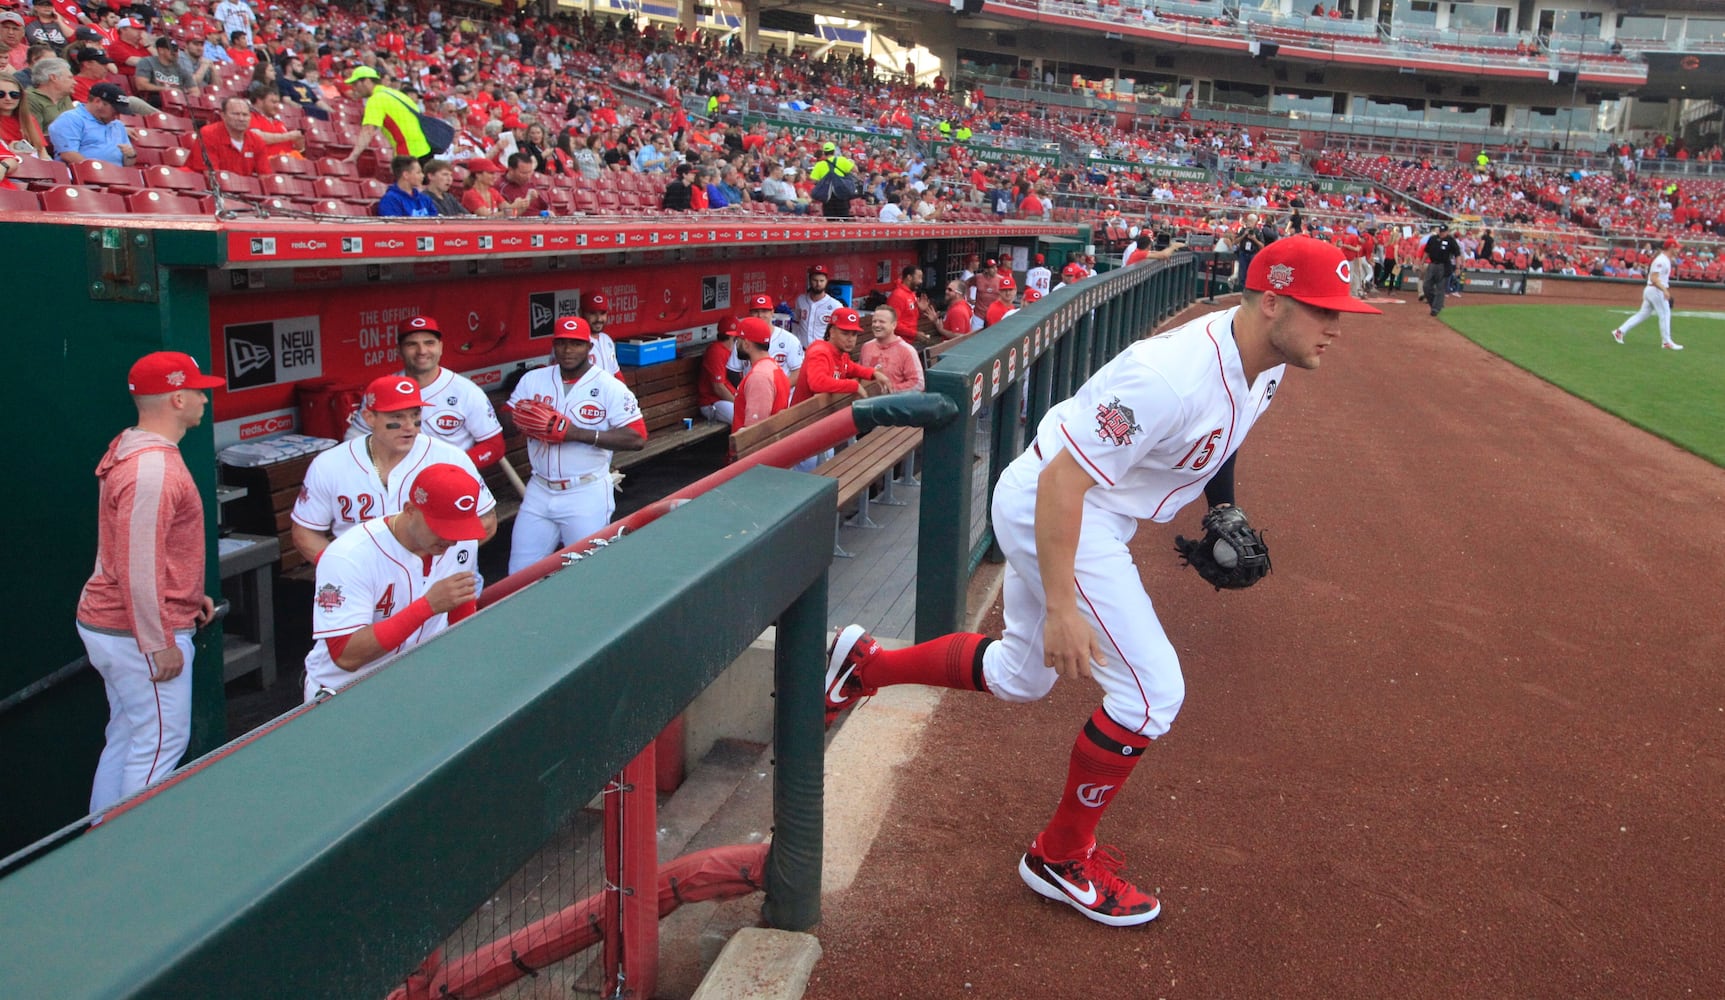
(1678, 395)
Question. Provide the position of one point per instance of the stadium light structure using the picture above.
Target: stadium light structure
(1575, 76)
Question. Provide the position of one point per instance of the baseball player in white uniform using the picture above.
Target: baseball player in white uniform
(368, 476)
(814, 308)
(785, 348)
(1147, 434)
(396, 581)
(1655, 298)
(596, 310)
(575, 414)
(456, 411)
(1039, 276)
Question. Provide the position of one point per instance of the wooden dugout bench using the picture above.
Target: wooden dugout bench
(885, 455)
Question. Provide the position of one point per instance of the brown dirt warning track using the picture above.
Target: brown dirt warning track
(1467, 740)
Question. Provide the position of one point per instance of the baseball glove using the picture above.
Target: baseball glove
(1230, 554)
(539, 421)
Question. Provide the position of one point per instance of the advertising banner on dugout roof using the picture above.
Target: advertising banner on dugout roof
(265, 340)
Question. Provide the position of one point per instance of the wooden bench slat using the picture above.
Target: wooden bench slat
(787, 422)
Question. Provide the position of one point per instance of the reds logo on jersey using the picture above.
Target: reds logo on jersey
(590, 412)
(328, 597)
(1115, 422)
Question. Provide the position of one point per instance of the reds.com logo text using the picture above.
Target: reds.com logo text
(268, 425)
(488, 378)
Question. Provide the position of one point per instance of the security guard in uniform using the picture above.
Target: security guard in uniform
(838, 201)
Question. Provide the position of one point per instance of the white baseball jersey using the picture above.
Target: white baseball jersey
(810, 323)
(456, 411)
(1154, 424)
(1659, 272)
(1038, 278)
(364, 577)
(604, 353)
(342, 488)
(597, 401)
(784, 348)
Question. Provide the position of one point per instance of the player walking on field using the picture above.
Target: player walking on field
(1149, 432)
(1655, 298)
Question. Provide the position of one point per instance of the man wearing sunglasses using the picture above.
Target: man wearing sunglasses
(368, 476)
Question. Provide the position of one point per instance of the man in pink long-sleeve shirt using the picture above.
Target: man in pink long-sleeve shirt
(889, 353)
(146, 597)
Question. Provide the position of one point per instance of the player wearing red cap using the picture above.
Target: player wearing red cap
(1655, 298)
(1148, 433)
(764, 390)
(138, 610)
(785, 348)
(1005, 305)
(596, 310)
(828, 366)
(368, 476)
(575, 415)
(813, 308)
(398, 580)
(985, 286)
(1039, 276)
(456, 411)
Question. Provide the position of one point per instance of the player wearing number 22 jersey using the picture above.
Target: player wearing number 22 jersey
(1152, 430)
(368, 477)
(394, 582)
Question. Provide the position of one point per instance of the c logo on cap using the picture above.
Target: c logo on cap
(466, 503)
(417, 322)
(1343, 271)
(406, 387)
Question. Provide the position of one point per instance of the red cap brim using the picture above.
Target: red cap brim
(463, 528)
(204, 382)
(1340, 303)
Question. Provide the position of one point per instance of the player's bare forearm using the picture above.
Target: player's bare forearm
(310, 543)
(621, 439)
(490, 522)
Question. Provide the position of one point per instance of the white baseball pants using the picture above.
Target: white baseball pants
(552, 519)
(1141, 683)
(721, 410)
(149, 724)
(1652, 301)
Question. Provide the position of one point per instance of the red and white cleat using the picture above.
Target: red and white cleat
(1091, 885)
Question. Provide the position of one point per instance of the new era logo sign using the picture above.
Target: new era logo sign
(484, 242)
(353, 244)
(536, 240)
(245, 357)
(541, 313)
(425, 244)
(263, 246)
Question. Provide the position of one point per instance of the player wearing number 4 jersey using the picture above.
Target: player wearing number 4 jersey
(367, 477)
(1148, 433)
(396, 581)
(1655, 299)
(456, 411)
(575, 414)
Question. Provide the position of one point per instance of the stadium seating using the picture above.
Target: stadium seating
(160, 203)
(20, 201)
(82, 201)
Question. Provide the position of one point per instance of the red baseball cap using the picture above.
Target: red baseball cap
(595, 302)
(760, 302)
(846, 319)
(573, 328)
(1006, 281)
(424, 324)
(727, 326)
(1031, 295)
(991, 262)
(448, 498)
(755, 330)
(1040, 259)
(1071, 269)
(818, 269)
(167, 371)
(484, 166)
(1671, 243)
(1306, 270)
(392, 392)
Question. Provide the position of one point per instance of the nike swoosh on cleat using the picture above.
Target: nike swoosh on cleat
(1087, 895)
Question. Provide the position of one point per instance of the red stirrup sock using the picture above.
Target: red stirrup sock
(951, 661)
(1102, 759)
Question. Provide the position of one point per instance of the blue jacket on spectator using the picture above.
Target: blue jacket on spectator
(396, 202)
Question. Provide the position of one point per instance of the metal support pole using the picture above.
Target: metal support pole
(943, 522)
(793, 876)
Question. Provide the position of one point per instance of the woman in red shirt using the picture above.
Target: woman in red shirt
(16, 122)
(482, 196)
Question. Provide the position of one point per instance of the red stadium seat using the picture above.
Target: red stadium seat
(292, 165)
(331, 166)
(83, 201)
(102, 174)
(329, 206)
(610, 202)
(285, 186)
(334, 187)
(167, 123)
(158, 203)
(149, 138)
(232, 183)
(587, 202)
(39, 174)
(371, 189)
(19, 201)
(176, 157)
(167, 178)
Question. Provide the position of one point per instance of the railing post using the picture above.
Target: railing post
(943, 526)
(793, 876)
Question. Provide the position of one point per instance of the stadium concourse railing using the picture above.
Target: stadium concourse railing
(1019, 367)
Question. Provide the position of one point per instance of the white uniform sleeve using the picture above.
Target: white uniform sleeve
(1117, 419)
(605, 353)
(343, 601)
(315, 508)
(621, 407)
(788, 352)
(478, 412)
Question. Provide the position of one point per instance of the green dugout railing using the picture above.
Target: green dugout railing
(1050, 349)
(329, 856)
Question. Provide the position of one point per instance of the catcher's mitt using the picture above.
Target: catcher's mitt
(1230, 554)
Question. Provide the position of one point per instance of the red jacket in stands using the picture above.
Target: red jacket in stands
(246, 159)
